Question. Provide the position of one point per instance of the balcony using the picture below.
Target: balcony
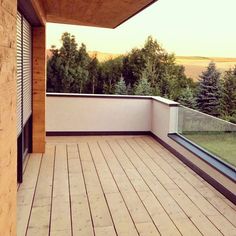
(115, 173)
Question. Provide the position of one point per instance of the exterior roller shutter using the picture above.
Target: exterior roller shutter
(24, 92)
(27, 71)
(19, 74)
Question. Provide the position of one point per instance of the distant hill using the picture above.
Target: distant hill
(103, 56)
(194, 65)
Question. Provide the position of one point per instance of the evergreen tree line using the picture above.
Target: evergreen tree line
(146, 71)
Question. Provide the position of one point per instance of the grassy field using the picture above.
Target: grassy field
(222, 145)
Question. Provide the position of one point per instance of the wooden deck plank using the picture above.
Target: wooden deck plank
(40, 216)
(162, 220)
(215, 198)
(25, 162)
(192, 210)
(105, 176)
(147, 229)
(132, 200)
(99, 209)
(121, 217)
(212, 213)
(26, 192)
(80, 211)
(102, 231)
(134, 204)
(122, 220)
(61, 216)
(193, 178)
(175, 212)
(119, 185)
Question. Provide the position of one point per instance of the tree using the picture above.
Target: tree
(133, 65)
(120, 87)
(82, 61)
(228, 98)
(144, 86)
(177, 82)
(67, 68)
(209, 89)
(187, 98)
(54, 71)
(70, 69)
(111, 71)
(165, 77)
(93, 69)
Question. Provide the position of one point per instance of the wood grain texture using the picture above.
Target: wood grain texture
(39, 88)
(117, 186)
(106, 13)
(40, 11)
(8, 152)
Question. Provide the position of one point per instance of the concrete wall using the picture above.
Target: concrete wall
(8, 156)
(104, 113)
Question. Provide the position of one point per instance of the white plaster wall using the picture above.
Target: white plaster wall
(97, 114)
(160, 119)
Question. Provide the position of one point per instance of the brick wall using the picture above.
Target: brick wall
(8, 156)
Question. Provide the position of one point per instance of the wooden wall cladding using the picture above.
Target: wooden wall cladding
(8, 152)
(105, 13)
(39, 88)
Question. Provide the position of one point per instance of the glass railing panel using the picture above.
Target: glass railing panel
(216, 136)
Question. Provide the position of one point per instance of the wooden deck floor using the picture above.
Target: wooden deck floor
(117, 186)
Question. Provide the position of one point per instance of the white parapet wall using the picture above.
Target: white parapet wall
(97, 113)
(164, 117)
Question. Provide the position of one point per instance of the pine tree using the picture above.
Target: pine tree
(144, 86)
(120, 87)
(209, 89)
(228, 99)
(187, 98)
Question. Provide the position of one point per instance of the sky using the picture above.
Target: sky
(183, 27)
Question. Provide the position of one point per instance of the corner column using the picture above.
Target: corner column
(39, 89)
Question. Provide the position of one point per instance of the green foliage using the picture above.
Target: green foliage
(70, 69)
(174, 82)
(67, 68)
(187, 98)
(133, 65)
(228, 97)
(93, 69)
(209, 91)
(120, 87)
(111, 72)
(143, 87)
(165, 77)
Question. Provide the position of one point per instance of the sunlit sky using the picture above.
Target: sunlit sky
(184, 27)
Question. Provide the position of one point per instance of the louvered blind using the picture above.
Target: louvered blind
(19, 74)
(24, 72)
(27, 72)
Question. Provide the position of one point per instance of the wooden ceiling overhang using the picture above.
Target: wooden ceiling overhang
(97, 13)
